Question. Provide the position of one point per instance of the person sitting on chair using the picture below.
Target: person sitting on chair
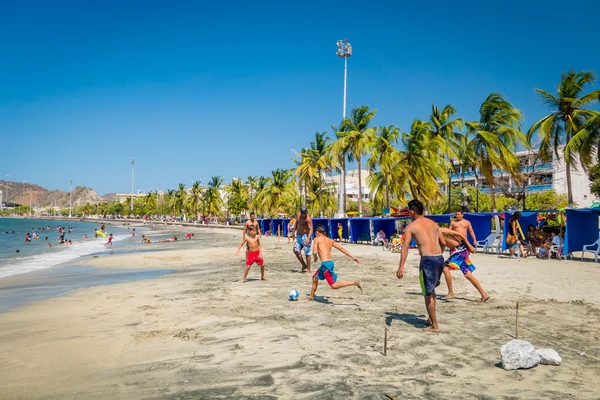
(380, 239)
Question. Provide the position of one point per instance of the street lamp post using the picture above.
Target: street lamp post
(344, 51)
(70, 197)
(132, 161)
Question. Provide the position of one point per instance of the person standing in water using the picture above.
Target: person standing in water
(430, 243)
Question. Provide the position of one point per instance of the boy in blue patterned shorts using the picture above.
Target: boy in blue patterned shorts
(304, 231)
(460, 249)
(322, 248)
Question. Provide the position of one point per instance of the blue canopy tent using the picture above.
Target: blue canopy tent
(320, 221)
(441, 218)
(387, 224)
(333, 228)
(582, 229)
(286, 222)
(527, 218)
(277, 224)
(481, 223)
(360, 229)
(265, 225)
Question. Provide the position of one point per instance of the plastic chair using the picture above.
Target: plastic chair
(589, 248)
(488, 243)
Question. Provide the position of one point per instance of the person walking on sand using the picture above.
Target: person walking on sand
(291, 229)
(322, 248)
(251, 222)
(303, 231)
(254, 255)
(460, 249)
(430, 243)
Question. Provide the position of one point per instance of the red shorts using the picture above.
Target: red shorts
(254, 257)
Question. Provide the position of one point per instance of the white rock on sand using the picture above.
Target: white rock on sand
(549, 357)
(518, 354)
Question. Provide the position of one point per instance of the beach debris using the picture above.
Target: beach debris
(389, 396)
(549, 357)
(518, 354)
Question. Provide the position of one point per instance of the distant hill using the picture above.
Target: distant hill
(108, 196)
(37, 196)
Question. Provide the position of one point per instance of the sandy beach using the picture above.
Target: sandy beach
(199, 333)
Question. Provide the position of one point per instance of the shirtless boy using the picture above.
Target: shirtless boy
(251, 222)
(460, 248)
(322, 247)
(430, 243)
(303, 232)
(254, 254)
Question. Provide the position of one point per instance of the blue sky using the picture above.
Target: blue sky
(193, 89)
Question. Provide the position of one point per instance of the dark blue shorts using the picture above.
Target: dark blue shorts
(431, 269)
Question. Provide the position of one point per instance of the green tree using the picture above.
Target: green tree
(194, 200)
(179, 200)
(279, 192)
(213, 202)
(565, 125)
(237, 197)
(355, 138)
(495, 138)
(384, 156)
(422, 162)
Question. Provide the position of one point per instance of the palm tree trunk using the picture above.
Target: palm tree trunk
(321, 193)
(493, 197)
(568, 170)
(360, 209)
(387, 193)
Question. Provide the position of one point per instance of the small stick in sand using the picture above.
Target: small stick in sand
(517, 322)
(385, 331)
(278, 235)
(389, 396)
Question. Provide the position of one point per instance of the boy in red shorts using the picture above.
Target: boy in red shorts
(254, 252)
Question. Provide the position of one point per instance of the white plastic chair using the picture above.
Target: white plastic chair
(589, 248)
(488, 243)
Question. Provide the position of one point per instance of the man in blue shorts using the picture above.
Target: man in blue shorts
(303, 231)
(430, 243)
(322, 248)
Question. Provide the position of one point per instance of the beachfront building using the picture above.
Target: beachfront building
(540, 177)
(332, 182)
(124, 197)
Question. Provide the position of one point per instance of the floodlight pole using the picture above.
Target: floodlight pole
(344, 51)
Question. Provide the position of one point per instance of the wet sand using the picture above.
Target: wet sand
(200, 333)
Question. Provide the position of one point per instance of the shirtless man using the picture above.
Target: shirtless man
(251, 222)
(460, 248)
(303, 232)
(322, 247)
(430, 243)
(254, 254)
(459, 256)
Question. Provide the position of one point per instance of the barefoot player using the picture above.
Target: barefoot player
(254, 252)
(251, 222)
(322, 247)
(304, 231)
(460, 248)
(430, 243)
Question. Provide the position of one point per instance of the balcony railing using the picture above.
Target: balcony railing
(530, 188)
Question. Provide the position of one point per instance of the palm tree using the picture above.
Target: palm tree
(421, 163)
(355, 139)
(384, 156)
(315, 161)
(212, 196)
(279, 191)
(448, 129)
(179, 200)
(237, 196)
(495, 138)
(251, 185)
(255, 204)
(194, 200)
(561, 127)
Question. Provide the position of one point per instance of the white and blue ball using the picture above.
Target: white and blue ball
(293, 296)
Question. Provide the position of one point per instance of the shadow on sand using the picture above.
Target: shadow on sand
(418, 321)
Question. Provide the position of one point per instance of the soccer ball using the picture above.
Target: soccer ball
(294, 295)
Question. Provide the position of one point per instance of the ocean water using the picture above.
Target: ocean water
(35, 255)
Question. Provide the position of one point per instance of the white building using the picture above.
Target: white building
(333, 182)
(540, 177)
